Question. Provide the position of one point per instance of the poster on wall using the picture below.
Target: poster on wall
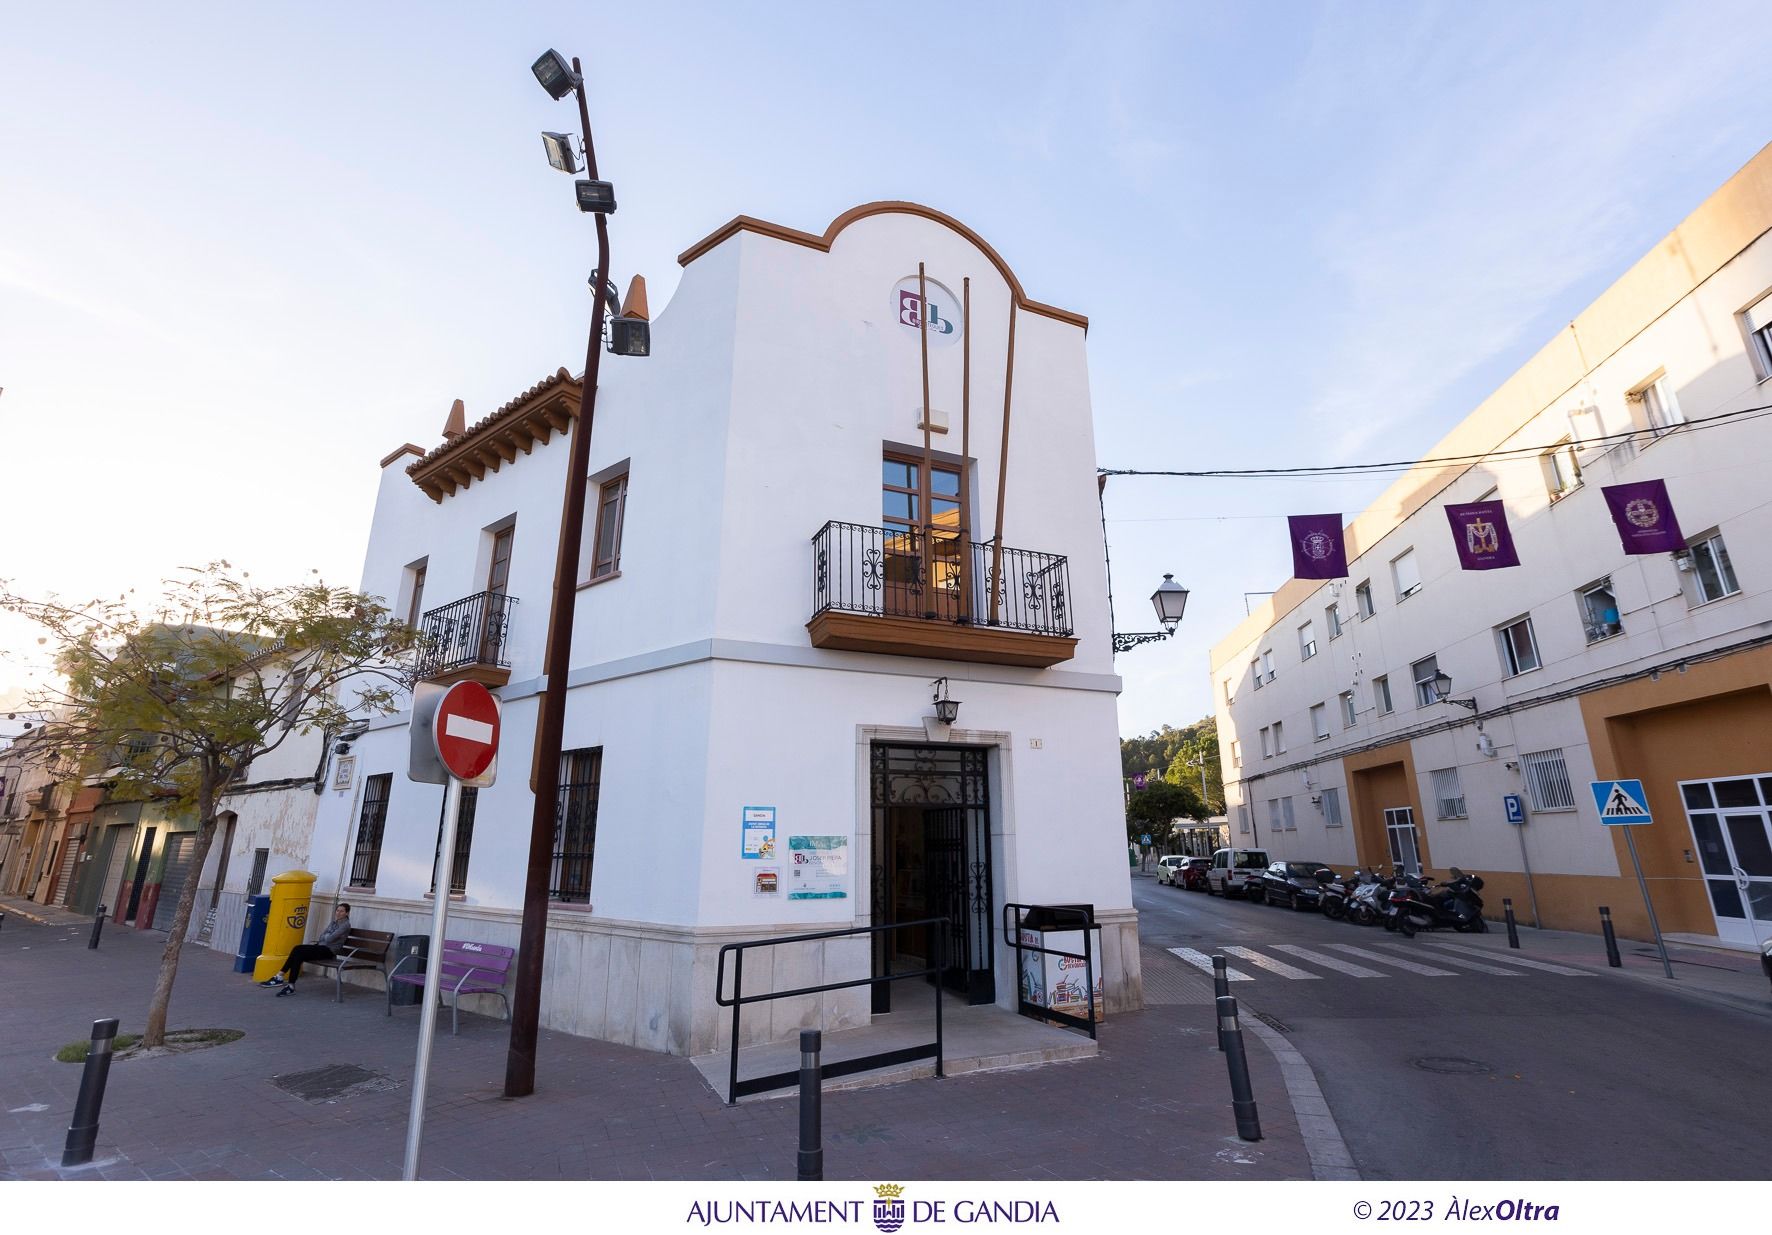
(820, 869)
(759, 832)
(767, 882)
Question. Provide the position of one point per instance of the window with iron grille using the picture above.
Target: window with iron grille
(1332, 808)
(464, 843)
(1448, 794)
(1547, 780)
(575, 826)
(367, 854)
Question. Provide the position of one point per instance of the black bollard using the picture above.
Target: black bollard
(83, 1132)
(98, 924)
(1221, 987)
(1242, 1095)
(811, 1117)
(1513, 932)
(1612, 957)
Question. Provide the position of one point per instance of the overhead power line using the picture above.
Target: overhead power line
(1720, 420)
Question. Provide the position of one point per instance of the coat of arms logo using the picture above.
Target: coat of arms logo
(1480, 537)
(1318, 546)
(888, 1207)
(1642, 512)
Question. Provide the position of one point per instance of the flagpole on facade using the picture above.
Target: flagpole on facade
(1003, 469)
(926, 490)
(966, 448)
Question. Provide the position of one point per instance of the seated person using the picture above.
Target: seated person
(320, 951)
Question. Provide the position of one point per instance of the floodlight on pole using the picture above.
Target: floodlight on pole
(596, 196)
(555, 75)
(561, 156)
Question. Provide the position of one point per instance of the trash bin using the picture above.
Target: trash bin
(1057, 982)
(404, 994)
(252, 935)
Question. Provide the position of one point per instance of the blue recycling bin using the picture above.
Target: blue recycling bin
(252, 934)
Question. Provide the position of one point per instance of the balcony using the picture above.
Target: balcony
(872, 592)
(468, 640)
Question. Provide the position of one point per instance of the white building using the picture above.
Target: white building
(753, 643)
(1583, 663)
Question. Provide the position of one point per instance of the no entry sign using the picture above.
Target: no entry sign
(465, 732)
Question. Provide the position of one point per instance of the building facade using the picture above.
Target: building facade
(1583, 663)
(779, 575)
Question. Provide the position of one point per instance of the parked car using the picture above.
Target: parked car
(1191, 875)
(1293, 884)
(1231, 870)
(1166, 868)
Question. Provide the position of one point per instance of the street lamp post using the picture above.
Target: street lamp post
(1170, 601)
(544, 775)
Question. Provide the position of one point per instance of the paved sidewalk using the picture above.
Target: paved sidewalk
(1154, 1104)
(1719, 975)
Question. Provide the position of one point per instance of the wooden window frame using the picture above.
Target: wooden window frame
(609, 567)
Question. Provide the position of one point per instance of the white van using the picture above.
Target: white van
(1232, 868)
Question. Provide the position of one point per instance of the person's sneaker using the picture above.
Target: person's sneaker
(287, 990)
(275, 979)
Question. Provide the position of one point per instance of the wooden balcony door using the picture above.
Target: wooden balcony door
(924, 524)
(498, 578)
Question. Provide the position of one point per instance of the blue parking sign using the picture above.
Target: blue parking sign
(1516, 807)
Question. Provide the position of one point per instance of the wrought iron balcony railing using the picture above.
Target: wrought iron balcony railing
(472, 632)
(938, 576)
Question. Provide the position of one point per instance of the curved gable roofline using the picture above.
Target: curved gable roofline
(745, 223)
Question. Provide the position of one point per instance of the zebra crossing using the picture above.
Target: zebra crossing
(1377, 959)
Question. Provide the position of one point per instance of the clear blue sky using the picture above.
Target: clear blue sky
(245, 250)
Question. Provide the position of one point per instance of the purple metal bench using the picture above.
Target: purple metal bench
(466, 968)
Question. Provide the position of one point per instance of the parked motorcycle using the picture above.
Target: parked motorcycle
(1418, 905)
(1366, 903)
(1333, 899)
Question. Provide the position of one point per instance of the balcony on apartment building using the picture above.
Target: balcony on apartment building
(910, 591)
(467, 640)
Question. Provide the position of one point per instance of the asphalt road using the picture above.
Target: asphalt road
(1478, 1076)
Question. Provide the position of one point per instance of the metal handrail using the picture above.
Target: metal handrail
(735, 1089)
(1084, 921)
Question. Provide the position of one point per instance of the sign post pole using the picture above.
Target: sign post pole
(427, 1022)
(1623, 803)
(1660, 946)
(454, 742)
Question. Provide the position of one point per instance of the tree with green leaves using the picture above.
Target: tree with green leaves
(1152, 808)
(1176, 755)
(173, 700)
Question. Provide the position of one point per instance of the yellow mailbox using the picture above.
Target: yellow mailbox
(288, 923)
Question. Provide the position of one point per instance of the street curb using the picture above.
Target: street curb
(1329, 1154)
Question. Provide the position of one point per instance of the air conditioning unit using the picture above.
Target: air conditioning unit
(1683, 562)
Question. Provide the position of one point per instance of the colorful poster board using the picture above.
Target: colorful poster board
(758, 832)
(819, 868)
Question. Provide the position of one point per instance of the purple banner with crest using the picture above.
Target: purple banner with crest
(1479, 529)
(1318, 551)
(1645, 517)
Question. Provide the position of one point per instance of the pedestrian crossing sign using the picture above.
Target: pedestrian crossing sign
(1621, 802)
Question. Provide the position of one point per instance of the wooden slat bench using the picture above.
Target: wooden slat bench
(360, 949)
(467, 968)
